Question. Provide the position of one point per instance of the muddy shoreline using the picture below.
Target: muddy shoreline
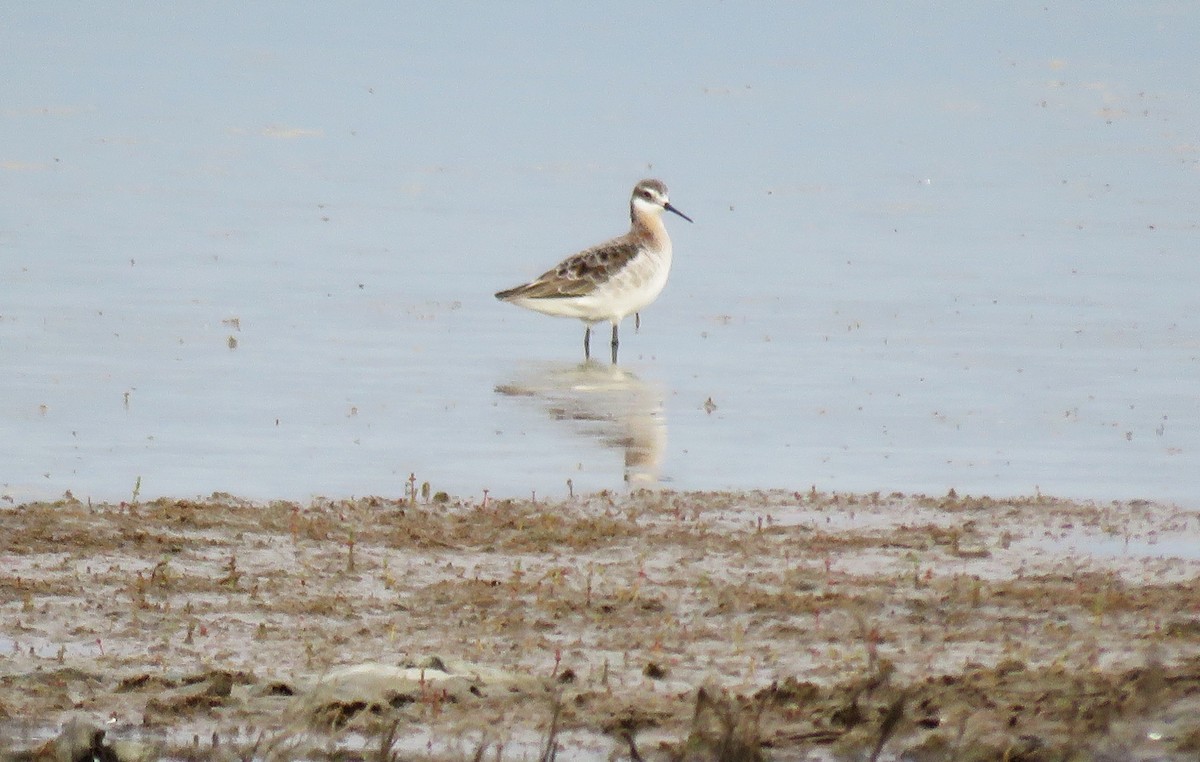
(781, 625)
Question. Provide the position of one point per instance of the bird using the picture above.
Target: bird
(610, 280)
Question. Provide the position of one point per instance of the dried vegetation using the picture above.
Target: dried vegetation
(679, 626)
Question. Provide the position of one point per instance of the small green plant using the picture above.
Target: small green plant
(550, 751)
(723, 729)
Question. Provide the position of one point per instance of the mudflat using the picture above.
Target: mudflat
(652, 625)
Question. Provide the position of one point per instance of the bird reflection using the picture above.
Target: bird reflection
(613, 405)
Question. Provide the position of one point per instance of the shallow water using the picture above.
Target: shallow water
(932, 249)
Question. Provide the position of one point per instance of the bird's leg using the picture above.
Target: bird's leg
(587, 343)
(637, 322)
(615, 343)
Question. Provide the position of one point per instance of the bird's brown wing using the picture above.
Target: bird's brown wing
(579, 274)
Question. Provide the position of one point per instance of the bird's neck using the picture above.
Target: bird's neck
(650, 228)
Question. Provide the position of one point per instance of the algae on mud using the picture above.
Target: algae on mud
(675, 625)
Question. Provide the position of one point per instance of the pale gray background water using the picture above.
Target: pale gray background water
(936, 245)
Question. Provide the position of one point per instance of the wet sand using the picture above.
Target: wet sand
(657, 625)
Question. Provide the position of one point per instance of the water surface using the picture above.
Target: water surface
(253, 250)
